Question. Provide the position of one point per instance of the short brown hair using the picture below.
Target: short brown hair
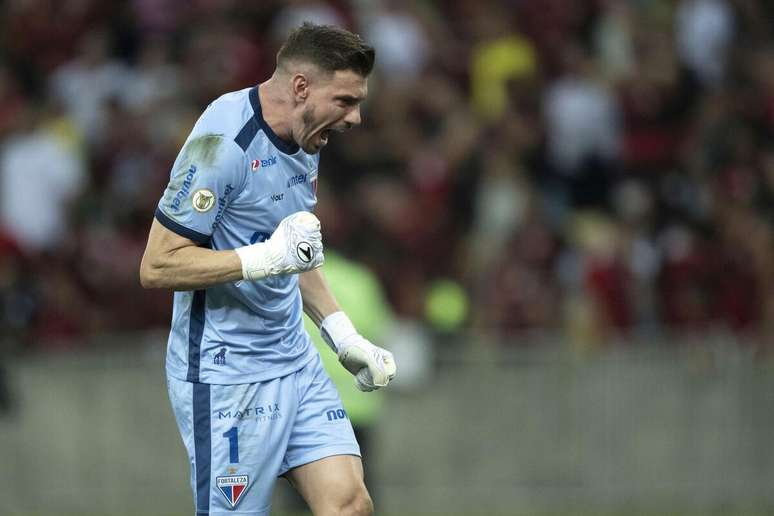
(328, 47)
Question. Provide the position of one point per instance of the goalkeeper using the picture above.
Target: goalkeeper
(234, 236)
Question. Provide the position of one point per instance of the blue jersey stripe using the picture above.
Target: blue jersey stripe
(202, 445)
(181, 230)
(195, 333)
(247, 134)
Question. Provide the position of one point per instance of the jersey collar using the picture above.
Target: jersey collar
(283, 145)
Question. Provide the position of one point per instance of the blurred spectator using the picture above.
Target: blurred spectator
(704, 29)
(685, 279)
(18, 306)
(399, 39)
(499, 56)
(592, 167)
(614, 41)
(583, 135)
(87, 82)
(296, 12)
(40, 175)
(156, 78)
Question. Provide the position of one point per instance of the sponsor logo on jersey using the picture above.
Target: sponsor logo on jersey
(220, 357)
(277, 197)
(258, 163)
(232, 487)
(297, 180)
(185, 189)
(334, 415)
(203, 200)
(269, 411)
(222, 205)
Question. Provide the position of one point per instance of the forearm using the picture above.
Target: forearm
(372, 366)
(319, 301)
(173, 261)
(191, 268)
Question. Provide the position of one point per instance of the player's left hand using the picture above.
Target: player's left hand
(372, 366)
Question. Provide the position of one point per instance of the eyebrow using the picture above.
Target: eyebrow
(350, 99)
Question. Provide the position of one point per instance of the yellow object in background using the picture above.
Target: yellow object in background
(494, 63)
(446, 305)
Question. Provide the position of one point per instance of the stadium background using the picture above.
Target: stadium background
(567, 207)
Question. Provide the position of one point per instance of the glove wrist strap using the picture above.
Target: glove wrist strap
(335, 329)
(256, 261)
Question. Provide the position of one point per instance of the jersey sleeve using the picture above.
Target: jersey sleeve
(208, 174)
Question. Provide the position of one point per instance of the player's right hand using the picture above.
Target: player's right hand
(295, 246)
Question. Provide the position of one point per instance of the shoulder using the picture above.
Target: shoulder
(226, 116)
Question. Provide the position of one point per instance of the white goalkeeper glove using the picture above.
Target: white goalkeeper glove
(295, 246)
(372, 366)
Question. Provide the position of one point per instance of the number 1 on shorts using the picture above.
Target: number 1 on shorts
(233, 445)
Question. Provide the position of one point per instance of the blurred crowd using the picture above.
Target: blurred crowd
(601, 168)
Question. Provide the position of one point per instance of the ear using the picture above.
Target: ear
(300, 85)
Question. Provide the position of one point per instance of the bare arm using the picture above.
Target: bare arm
(317, 296)
(175, 262)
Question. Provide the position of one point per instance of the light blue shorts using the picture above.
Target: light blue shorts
(240, 438)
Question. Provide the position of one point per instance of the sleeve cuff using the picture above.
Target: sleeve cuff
(199, 238)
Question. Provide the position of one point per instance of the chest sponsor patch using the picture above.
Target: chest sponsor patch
(258, 163)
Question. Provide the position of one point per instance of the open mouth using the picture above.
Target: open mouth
(324, 136)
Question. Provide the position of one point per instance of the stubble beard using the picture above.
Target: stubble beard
(307, 118)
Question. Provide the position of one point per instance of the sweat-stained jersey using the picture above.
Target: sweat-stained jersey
(232, 183)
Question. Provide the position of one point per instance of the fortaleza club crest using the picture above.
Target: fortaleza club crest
(232, 487)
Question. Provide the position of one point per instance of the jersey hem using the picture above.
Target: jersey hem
(245, 378)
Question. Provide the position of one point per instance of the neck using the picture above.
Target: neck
(276, 107)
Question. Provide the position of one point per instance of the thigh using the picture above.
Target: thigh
(329, 483)
(236, 437)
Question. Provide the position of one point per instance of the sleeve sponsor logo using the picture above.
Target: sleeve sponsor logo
(222, 205)
(185, 189)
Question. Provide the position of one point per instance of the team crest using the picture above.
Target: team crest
(203, 200)
(232, 487)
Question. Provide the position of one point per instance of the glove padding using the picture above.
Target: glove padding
(295, 246)
(372, 366)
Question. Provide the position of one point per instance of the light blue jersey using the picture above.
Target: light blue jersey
(232, 183)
